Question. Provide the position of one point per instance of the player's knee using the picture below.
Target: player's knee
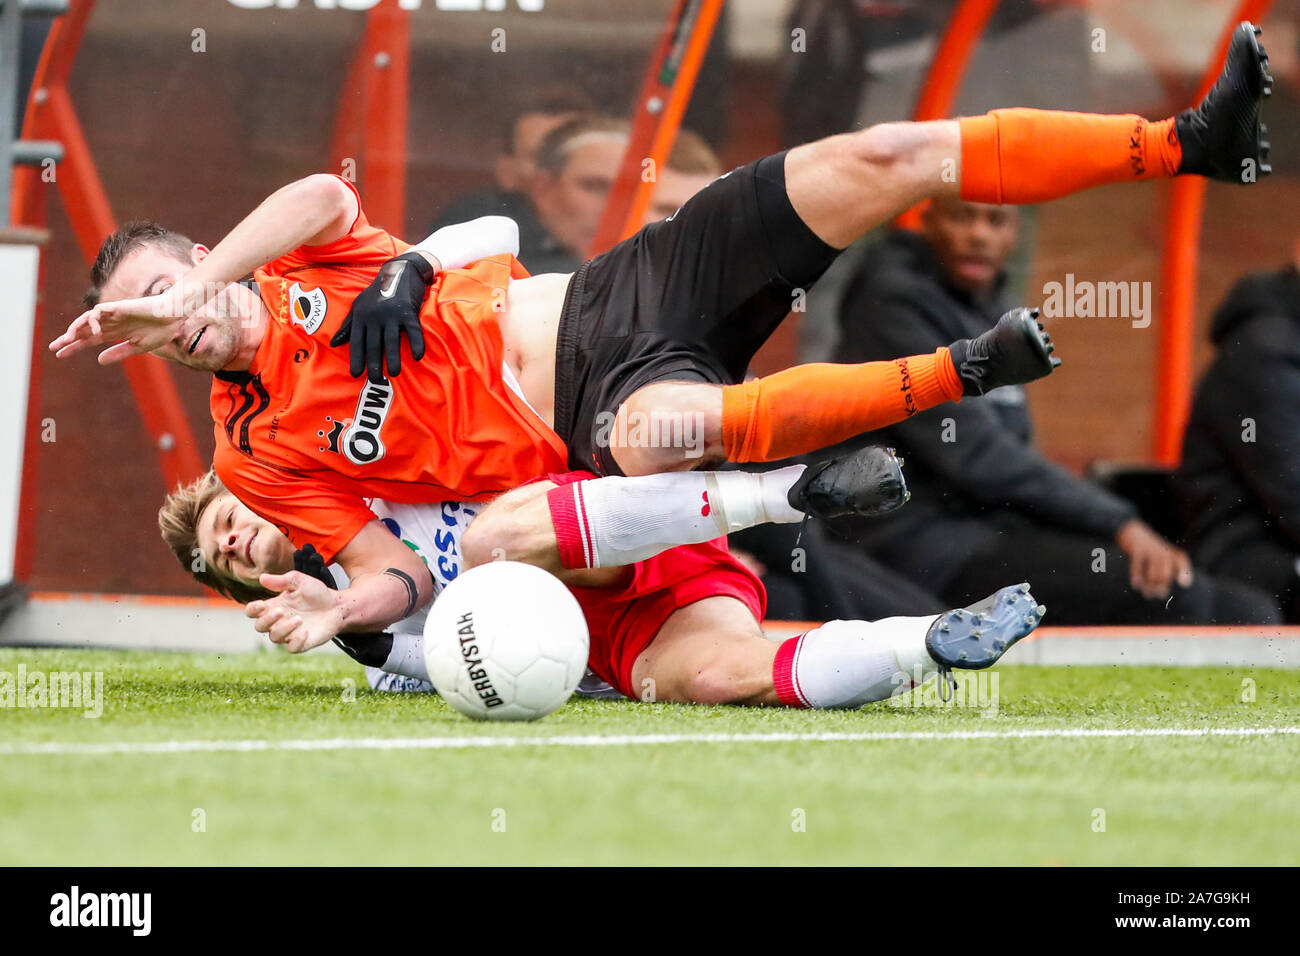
(885, 144)
(502, 539)
(634, 461)
(668, 426)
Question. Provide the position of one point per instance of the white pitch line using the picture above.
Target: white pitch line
(618, 740)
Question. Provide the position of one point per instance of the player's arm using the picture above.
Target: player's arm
(389, 308)
(313, 211)
(389, 582)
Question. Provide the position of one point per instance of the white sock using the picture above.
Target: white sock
(407, 657)
(851, 663)
(608, 522)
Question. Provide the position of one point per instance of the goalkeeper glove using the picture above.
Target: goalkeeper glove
(384, 312)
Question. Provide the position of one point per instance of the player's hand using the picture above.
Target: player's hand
(145, 324)
(384, 312)
(138, 325)
(303, 615)
(1155, 565)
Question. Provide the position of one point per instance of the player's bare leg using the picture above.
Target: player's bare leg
(585, 531)
(517, 527)
(846, 185)
(709, 652)
(714, 652)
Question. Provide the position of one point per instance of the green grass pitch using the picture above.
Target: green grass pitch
(1046, 800)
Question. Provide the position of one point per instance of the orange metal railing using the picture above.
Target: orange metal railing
(947, 69)
(370, 125)
(662, 102)
(50, 114)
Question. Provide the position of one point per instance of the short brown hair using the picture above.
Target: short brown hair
(128, 239)
(559, 99)
(178, 520)
(693, 156)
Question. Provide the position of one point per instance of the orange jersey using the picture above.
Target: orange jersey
(303, 443)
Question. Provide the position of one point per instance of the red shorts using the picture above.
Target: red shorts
(623, 621)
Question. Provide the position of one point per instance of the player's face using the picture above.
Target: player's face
(209, 341)
(972, 240)
(672, 191)
(239, 544)
(571, 204)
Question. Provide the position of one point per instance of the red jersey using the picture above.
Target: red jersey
(303, 443)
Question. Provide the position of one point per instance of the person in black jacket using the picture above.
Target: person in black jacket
(1238, 488)
(986, 506)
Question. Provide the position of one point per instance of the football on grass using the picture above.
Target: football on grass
(505, 641)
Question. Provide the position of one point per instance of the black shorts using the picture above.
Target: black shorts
(691, 298)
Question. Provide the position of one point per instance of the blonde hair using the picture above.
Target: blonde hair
(691, 153)
(178, 522)
(693, 156)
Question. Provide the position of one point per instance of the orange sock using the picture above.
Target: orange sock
(814, 406)
(1027, 156)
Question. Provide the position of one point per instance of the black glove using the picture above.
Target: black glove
(372, 650)
(309, 561)
(386, 310)
(369, 649)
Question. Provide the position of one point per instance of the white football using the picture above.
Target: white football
(505, 641)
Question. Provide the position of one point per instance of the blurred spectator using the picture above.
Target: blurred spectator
(987, 509)
(535, 115)
(1238, 487)
(691, 166)
(577, 164)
